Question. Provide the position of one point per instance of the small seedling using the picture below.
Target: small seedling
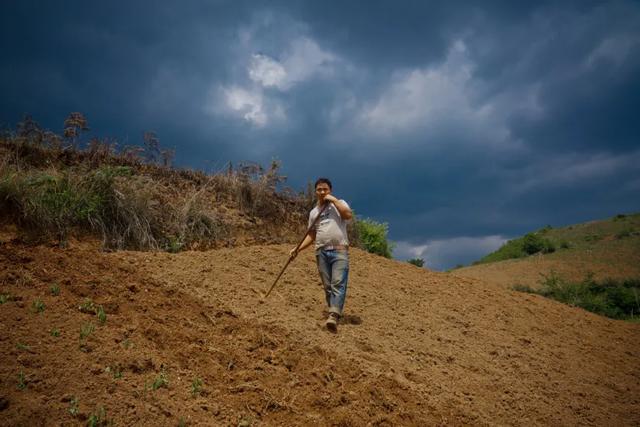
(126, 343)
(102, 316)
(86, 330)
(23, 347)
(22, 384)
(196, 386)
(73, 409)
(87, 306)
(38, 306)
(55, 332)
(4, 298)
(117, 372)
(181, 422)
(55, 289)
(160, 381)
(98, 418)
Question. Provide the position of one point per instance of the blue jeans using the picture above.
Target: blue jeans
(333, 266)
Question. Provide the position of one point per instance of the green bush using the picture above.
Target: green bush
(533, 243)
(530, 244)
(418, 262)
(373, 237)
(611, 298)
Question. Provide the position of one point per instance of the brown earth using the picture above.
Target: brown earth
(610, 259)
(415, 347)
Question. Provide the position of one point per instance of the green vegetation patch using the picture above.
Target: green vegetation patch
(196, 386)
(531, 243)
(373, 237)
(418, 262)
(617, 299)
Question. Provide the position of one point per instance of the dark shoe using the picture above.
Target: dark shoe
(332, 323)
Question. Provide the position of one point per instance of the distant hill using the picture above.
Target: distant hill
(607, 248)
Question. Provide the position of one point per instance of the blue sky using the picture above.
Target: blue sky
(461, 124)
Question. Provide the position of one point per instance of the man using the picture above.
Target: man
(332, 247)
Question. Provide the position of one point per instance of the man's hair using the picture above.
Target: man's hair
(323, 181)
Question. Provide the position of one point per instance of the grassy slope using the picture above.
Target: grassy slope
(608, 248)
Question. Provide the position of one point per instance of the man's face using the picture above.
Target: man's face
(322, 190)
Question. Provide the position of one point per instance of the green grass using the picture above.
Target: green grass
(23, 347)
(73, 406)
(22, 383)
(617, 299)
(116, 370)
(55, 289)
(160, 381)
(86, 330)
(102, 316)
(87, 306)
(38, 306)
(98, 418)
(196, 386)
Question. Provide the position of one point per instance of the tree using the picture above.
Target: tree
(418, 262)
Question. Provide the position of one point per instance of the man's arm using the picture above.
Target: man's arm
(308, 240)
(343, 209)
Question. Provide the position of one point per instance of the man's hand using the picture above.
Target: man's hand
(293, 253)
(329, 198)
(344, 210)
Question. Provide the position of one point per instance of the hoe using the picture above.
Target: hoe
(315, 221)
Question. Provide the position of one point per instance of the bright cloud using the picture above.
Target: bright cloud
(253, 101)
(266, 71)
(431, 101)
(246, 103)
(421, 96)
(306, 59)
(303, 60)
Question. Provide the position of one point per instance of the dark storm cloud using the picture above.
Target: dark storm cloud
(460, 125)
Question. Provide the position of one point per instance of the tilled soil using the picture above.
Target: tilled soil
(414, 348)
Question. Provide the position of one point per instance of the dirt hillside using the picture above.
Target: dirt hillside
(415, 348)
